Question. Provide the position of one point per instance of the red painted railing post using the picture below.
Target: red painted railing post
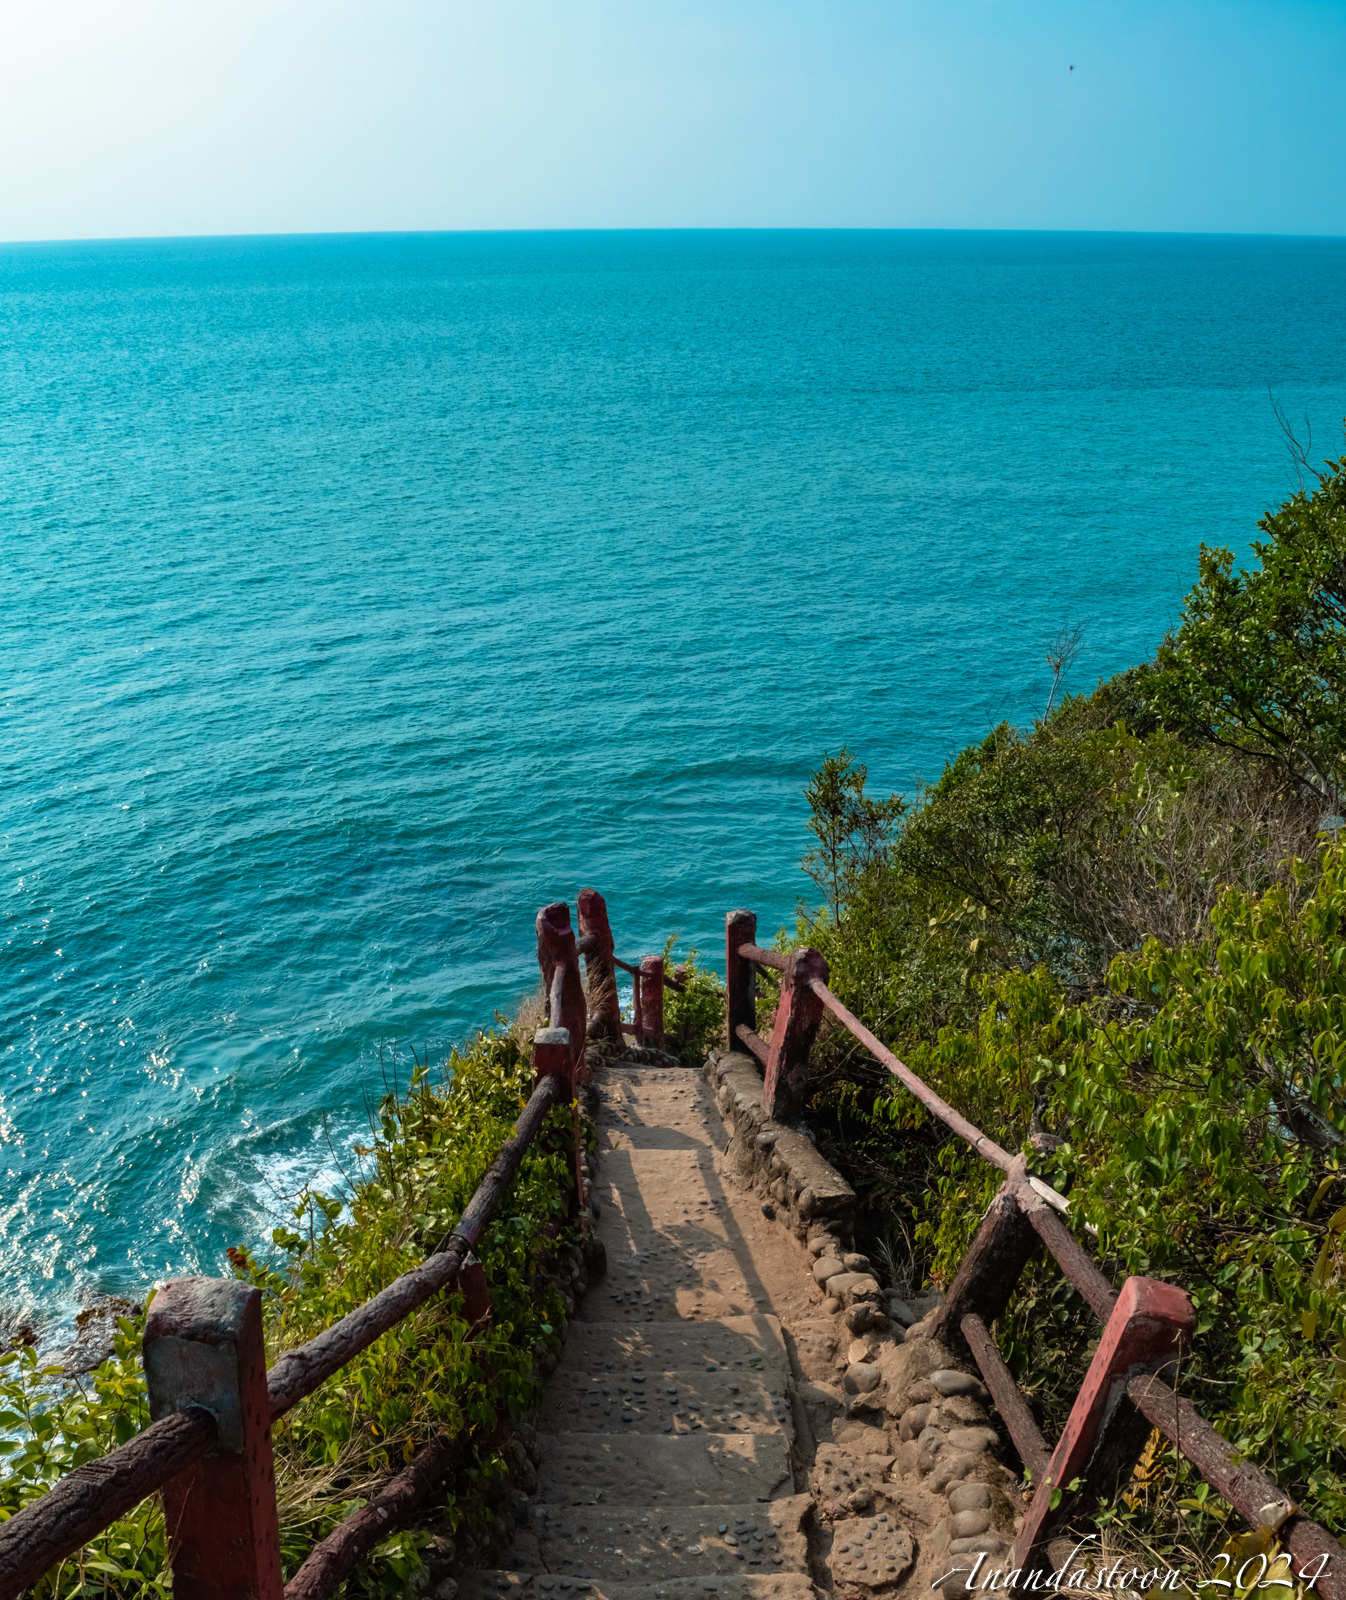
(798, 1014)
(203, 1347)
(652, 1001)
(552, 1058)
(476, 1294)
(993, 1263)
(740, 978)
(556, 947)
(605, 1013)
(1150, 1323)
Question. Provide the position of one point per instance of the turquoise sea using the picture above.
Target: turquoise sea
(361, 594)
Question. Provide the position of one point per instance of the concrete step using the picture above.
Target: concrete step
(645, 1469)
(726, 1400)
(670, 1280)
(494, 1585)
(602, 1541)
(752, 1343)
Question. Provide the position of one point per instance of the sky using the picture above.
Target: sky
(126, 118)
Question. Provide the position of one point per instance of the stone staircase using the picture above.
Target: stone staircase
(709, 1429)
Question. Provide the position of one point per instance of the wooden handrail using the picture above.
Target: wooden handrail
(554, 998)
(1255, 1497)
(83, 1503)
(764, 957)
(996, 1258)
(79, 1506)
(1008, 1397)
(982, 1143)
(669, 981)
(754, 1041)
(329, 1563)
(299, 1372)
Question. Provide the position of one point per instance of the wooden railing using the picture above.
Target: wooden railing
(648, 978)
(1146, 1325)
(213, 1402)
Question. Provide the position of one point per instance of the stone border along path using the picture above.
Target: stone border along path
(738, 1411)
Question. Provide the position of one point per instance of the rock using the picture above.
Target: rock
(862, 1378)
(857, 1317)
(982, 1545)
(962, 1410)
(827, 1266)
(807, 1201)
(913, 1420)
(973, 1439)
(870, 1553)
(860, 1500)
(900, 1311)
(849, 1286)
(955, 1583)
(831, 1307)
(768, 1211)
(859, 1351)
(967, 1524)
(927, 1301)
(853, 1261)
(949, 1383)
(445, 1589)
(821, 1242)
(907, 1458)
(970, 1497)
(952, 1468)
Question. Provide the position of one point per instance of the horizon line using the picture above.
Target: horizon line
(427, 233)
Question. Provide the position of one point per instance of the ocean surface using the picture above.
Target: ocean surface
(362, 594)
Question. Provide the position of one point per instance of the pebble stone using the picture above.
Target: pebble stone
(973, 1439)
(950, 1383)
(862, 1378)
(970, 1497)
(967, 1524)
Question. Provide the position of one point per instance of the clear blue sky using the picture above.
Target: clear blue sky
(135, 117)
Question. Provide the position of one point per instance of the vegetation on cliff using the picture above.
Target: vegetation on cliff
(1122, 929)
(429, 1148)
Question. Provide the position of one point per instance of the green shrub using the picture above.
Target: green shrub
(1204, 1111)
(694, 1016)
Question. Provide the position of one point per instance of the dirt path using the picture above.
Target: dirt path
(713, 1427)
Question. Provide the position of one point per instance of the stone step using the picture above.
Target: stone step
(493, 1585)
(752, 1343)
(601, 1541)
(643, 1469)
(727, 1400)
(670, 1280)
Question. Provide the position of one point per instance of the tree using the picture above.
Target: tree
(854, 831)
(1259, 662)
